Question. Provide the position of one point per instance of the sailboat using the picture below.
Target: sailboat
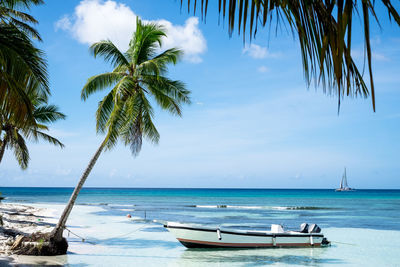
(343, 184)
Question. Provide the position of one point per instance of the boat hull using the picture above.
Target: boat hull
(195, 237)
(345, 190)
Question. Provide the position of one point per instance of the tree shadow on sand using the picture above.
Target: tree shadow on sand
(39, 223)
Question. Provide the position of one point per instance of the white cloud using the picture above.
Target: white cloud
(95, 20)
(263, 69)
(187, 37)
(257, 51)
(64, 23)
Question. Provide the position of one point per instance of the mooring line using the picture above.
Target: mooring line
(343, 243)
(93, 243)
(83, 238)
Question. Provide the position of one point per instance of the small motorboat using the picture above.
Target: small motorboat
(196, 236)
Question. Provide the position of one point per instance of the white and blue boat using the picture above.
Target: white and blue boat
(198, 236)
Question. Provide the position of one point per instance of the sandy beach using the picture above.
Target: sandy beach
(23, 220)
(119, 241)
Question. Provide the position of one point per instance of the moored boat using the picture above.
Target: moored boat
(196, 236)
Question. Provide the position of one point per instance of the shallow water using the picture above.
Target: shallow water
(363, 225)
(118, 241)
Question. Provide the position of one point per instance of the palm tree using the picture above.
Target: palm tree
(19, 56)
(11, 15)
(324, 32)
(15, 133)
(125, 113)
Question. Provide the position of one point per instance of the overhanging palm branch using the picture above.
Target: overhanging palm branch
(11, 14)
(19, 57)
(21, 152)
(16, 132)
(324, 31)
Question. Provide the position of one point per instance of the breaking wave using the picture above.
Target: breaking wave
(260, 207)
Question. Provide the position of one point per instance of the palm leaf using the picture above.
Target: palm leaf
(325, 38)
(158, 65)
(100, 82)
(48, 114)
(146, 40)
(103, 112)
(21, 151)
(41, 135)
(109, 52)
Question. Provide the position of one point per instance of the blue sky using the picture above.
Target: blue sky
(253, 121)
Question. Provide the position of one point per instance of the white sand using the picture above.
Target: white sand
(23, 220)
(118, 241)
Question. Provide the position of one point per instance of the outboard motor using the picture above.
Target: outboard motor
(304, 228)
(314, 229)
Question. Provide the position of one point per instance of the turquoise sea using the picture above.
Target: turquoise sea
(373, 209)
(364, 225)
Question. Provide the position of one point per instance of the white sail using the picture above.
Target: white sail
(344, 183)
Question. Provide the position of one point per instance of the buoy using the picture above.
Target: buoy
(128, 215)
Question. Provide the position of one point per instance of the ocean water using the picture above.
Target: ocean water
(364, 226)
(255, 208)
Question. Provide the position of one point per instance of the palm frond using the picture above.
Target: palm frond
(114, 124)
(158, 65)
(324, 31)
(146, 40)
(139, 123)
(21, 151)
(15, 14)
(26, 28)
(168, 94)
(109, 52)
(105, 107)
(11, 14)
(175, 89)
(132, 131)
(17, 49)
(50, 139)
(14, 101)
(99, 82)
(48, 114)
(16, 4)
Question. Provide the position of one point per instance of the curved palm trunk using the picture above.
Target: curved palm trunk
(3, 147)
(57, 233)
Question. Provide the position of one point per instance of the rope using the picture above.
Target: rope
(342, 243)
(83, 239)
(93, 243)
(123, 235)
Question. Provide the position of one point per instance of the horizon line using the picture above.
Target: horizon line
(226, 188)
